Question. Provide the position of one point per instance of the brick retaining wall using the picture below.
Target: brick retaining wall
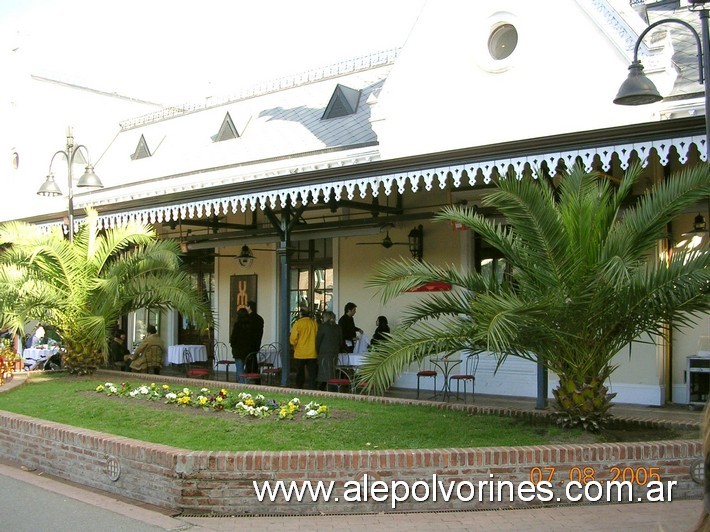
(222, 482)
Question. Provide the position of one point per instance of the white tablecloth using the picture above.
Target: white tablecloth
(32, 355)
(350, 359)
(198, 352)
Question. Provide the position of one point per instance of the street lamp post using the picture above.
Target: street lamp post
(639, 90)
(88, 180)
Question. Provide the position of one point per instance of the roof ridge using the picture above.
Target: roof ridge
(350, 66)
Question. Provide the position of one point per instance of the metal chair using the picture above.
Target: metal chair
(222, 357)
(248, 376)
(193, 372)
(153, 359)
(342, 379)
(469, 374)
(426, 370)
(267, 363)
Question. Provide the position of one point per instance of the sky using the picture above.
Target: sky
(174, 51)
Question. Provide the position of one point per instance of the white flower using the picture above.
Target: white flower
(312, 413)
(133, 393)
(171, 396)
(112, 388)
(144, 390)
(204, 390)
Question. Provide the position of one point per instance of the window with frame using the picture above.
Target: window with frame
(311, 277)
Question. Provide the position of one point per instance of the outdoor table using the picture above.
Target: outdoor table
(198, 352)
(446, 365)
(32, 355)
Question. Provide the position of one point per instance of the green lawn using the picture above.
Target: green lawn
(352, 425)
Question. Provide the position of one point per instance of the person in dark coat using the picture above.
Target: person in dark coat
(329, 340)
(241, 340)
(119, 355)
(347, 326)
(256, 334)
(382, 330)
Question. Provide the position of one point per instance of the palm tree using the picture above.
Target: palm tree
(83, 286)
(585, 283)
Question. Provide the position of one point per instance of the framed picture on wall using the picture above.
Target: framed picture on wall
(242, 288)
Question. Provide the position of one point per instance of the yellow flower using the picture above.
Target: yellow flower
(249, 402)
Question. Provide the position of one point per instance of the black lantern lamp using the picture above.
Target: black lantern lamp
(245, 257)
(699, 226)
(416, 242)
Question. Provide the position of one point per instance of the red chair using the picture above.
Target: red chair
(469, 375)
(248, 377)
(193, 372)
(222, 357)
(341, 380)
(426, 370)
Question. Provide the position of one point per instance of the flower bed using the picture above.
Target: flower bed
(242, 403)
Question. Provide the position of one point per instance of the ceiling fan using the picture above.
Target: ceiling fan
(386, 242)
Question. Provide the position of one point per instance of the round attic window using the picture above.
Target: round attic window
(502, 41)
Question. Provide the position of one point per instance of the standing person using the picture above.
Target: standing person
(347, 326)
(241, 340)
(256, 334)
(303, 340)
(329, 340)
(381, 331)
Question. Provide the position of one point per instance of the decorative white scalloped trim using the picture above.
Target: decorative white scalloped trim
(441, 176)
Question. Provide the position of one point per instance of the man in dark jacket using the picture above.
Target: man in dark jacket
(348, 328)
(256, 333)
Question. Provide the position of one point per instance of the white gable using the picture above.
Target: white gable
(446, 92)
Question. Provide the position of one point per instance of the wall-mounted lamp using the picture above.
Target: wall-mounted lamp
(416, 242)
(245, 257)
(699, 226)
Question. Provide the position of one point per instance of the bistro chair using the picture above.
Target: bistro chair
(267, 363)
(248, 377)
(342, 379)
(469, 375)
(222, 357)
(153, 359)
(343, 374)
(426, 371)
(191, 371)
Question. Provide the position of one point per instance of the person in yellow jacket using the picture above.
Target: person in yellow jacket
(303, 340)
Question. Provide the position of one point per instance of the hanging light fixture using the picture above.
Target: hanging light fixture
(699, 226)
(245, 257)
(416, 242)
